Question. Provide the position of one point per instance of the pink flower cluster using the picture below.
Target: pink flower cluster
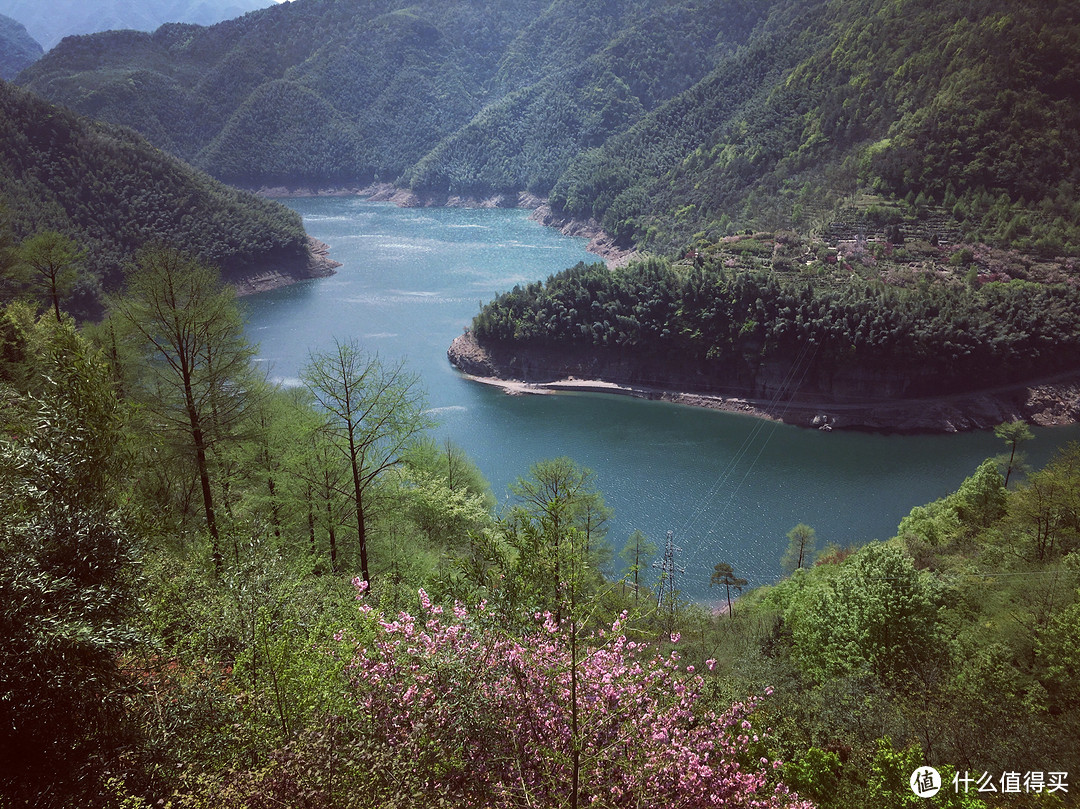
(491, 718)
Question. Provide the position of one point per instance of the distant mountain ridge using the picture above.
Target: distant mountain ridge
(368, 91)
(666, 122)
(49, 21)
(17, 48)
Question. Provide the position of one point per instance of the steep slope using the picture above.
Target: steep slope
(400, 78)
(957, 102)
(113, 193)
(18, 49)
(465, 97)
(580, 74)
(668, 122)
(49, 21)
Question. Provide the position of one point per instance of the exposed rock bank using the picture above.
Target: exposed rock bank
(1046, 402)
(403, 197)
(272, 275)
(600, 242)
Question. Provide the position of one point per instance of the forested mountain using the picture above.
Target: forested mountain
(110, 191)
(965, 105)
(49, 21)
(17, 48)
(665, 121)
(504, 93)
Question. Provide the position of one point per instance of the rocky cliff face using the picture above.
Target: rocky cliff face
(781, 380)
(839, 399)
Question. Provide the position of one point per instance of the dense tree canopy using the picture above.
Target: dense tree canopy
(733, 325)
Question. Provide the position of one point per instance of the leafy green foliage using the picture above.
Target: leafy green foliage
(1045, 512)
(976, 640)
(198, 375)
(637, 553)
(801, 541)
(978, 503)
(891, 770)
(51, 261)
(1013, 433)
(372, 412)
(876, 612)
(558, 529)
(66, 568)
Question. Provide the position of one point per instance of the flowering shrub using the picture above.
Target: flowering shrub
(475, 717)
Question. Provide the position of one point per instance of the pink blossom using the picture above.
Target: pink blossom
(490, 715)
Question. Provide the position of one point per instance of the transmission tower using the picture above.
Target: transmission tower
(668, 569)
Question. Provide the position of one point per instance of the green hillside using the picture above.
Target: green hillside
(666, 122)
(964, 106)
(113, 193)
(334, 631)
(466, 97)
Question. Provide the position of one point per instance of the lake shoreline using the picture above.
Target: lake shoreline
(730, 487)
(600, 243)
(318, 264)
(1045, 403)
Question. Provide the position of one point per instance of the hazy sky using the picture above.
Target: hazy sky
(50, 20)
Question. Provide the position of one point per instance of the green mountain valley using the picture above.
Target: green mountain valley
(221, 591)
(665, 122)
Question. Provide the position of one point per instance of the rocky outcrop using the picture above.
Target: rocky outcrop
(859, 403)
(274, 274)
(600, 242)
(406, 198)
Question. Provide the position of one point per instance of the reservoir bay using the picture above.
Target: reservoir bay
(729, 486)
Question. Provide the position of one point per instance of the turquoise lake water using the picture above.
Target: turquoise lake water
(729, 486)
